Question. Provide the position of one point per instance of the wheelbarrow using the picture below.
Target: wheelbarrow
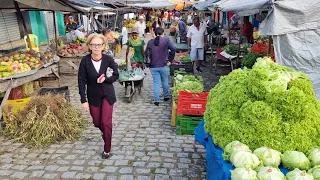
(131, 87)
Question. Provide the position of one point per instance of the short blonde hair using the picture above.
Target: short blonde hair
(92, 36)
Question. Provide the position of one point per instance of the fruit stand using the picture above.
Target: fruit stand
(28, 76)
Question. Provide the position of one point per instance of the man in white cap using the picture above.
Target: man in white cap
(141, 25)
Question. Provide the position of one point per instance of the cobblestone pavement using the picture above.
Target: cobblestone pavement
(144, 144)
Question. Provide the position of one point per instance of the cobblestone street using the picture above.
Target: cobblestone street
(144, 145)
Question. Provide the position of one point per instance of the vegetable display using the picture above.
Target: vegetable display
(72, 50)
(314, 156)
(187, 83)
(79, 40)
(270, 173)
(315, 171)
(234, 147)
(270, 105)
(268, 156)
(295, 159)
(297, 174)
(243, 174)
(249, 59)
(244, 159)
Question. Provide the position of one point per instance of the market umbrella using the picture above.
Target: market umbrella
(181, 4)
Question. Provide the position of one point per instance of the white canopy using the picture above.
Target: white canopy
(242, 7)
(295, 27)
(205, 5)
(156, 5)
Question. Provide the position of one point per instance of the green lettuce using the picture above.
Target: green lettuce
(269, 105)
(295, 159)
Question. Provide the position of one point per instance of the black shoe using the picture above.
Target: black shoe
(166, 99)
(156, 103)
(106, 155)
(199, 70)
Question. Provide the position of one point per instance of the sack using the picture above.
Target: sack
(147, 56)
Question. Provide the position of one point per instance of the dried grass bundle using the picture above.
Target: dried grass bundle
(43, 121)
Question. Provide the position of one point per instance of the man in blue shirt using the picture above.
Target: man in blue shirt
(182, 29)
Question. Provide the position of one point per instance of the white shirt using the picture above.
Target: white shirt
(97, 65)
(197, 36)
(141, 27)
(79, 34)
(189, 20)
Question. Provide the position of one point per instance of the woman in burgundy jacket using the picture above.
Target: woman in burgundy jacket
(96, 74)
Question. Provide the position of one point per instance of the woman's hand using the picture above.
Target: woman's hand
(85, 106)
(168, 63)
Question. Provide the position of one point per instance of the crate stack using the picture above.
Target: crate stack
(190, 109)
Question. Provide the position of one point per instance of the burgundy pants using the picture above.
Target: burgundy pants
(102, 119)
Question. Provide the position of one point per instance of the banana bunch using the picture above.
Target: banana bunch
(59, 42)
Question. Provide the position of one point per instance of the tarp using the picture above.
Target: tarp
(89, 5)
(243, 7)
(52, 5)
(294, 25)
(156, 5)
(205, 5)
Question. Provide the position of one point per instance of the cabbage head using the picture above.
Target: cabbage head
(315, 172)
(243, 174)
(295, 159)
(268, 156)
(234, 147)
(269, 105)
(314, 156)
(243, 159)
(270, 173)
(297, 174)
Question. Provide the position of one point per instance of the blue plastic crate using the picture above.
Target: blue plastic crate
(217, 168)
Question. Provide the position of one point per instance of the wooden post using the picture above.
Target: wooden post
(56, 39)
(23, 23)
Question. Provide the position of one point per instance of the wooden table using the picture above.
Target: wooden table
(7, 85)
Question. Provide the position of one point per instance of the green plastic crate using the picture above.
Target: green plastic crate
(187, 124)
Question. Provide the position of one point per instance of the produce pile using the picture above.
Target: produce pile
(130, 24)
(187, 83)
(181, 58)
(72, 50)
(44, 120)
(270, 105)
(131, 75)
(21, 62)
(79, 40)
(250, 59)
(263, 163)
(232, 49)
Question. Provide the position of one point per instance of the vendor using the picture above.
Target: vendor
(182, 28)
(156, 23)
(71, 25)
(137, 44)
(107, 33)
(79, 32)
(247, 30)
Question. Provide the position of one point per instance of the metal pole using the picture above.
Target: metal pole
(115, 23)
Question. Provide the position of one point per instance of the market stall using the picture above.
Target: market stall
(23, 67)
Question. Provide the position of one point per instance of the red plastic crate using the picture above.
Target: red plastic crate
(192, 103)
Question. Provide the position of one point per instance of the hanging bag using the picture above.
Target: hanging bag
(148, 55)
